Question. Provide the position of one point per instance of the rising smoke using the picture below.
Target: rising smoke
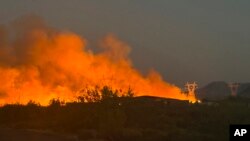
(40, 63)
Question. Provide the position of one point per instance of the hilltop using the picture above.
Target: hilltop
(219, 90)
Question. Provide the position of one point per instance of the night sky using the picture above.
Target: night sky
(184, 40)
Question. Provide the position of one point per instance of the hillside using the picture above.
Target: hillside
(122, 119)
(219, 90)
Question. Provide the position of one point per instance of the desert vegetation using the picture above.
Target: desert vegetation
(112, 115)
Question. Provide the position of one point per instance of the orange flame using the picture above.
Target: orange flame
(40, 64)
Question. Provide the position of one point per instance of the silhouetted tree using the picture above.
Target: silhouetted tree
(107, 93)
(130, 93)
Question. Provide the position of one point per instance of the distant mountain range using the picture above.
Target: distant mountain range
(219, 90)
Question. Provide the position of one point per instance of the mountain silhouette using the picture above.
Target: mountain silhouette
(219, 90)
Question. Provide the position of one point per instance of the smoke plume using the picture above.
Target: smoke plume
(40, 63)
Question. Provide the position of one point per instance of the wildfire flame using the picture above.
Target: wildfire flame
(38, 63)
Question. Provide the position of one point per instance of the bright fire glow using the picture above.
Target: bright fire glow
(38, 63)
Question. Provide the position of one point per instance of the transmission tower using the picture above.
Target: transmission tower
(234, 88)
(191, 87)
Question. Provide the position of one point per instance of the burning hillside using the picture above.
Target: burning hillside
(39, 63)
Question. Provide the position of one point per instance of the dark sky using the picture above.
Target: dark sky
(185, 40)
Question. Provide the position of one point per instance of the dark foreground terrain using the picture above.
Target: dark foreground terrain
(31, 135)
(123, 119)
